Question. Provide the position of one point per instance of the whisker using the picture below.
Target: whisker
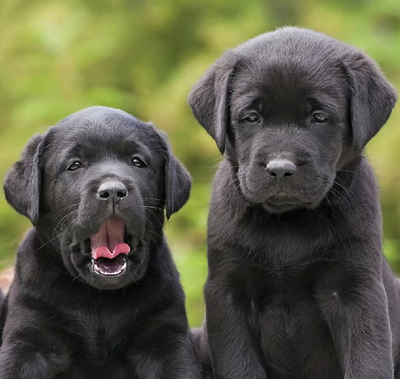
(58, 212)
(63, 220)
(49, 241)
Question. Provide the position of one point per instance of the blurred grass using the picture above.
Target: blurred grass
(391, 249)
(57, 57)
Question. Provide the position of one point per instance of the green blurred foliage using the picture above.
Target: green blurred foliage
(57, 57)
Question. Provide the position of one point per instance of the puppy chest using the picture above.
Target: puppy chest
(283, 314)
(294, 339)
(103, 368)
(97, 337)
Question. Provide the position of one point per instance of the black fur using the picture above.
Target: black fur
(298, 286)
(63, 319)
(1, 312)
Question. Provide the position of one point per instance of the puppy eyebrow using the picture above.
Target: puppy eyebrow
(134, 147)
(324, 103)
(246, 103)
(126, 149)
(74, 151)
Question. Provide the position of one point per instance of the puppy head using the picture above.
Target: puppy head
(289, 109)
(97, 186)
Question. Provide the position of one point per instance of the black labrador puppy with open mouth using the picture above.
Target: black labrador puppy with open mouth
(298, 287)
(96, 293)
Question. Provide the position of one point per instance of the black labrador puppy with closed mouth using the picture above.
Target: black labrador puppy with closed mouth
(298, 286)
(96, 293)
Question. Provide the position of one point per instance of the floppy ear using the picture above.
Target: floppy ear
(209, 99)
(23, 181)
(372, 98)
(177, 180)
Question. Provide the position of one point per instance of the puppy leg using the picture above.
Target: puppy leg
(201, 346)
(177, 362)
(356, 312)
(232, 347)
(164, 349)
(19, 360)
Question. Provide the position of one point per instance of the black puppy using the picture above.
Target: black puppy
(297, 286)
(96, 293)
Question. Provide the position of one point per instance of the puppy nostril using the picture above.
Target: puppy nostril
(281, 168)
(121, 194)
(104, 194)
(112, 190)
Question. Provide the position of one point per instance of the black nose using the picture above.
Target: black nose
(281, 168)
(112, 190)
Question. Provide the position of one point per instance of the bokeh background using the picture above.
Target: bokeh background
(142, 56)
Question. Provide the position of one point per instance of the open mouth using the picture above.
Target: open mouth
(109, 248)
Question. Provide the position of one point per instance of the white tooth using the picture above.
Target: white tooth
(99, 271)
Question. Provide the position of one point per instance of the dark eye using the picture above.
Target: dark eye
(75, 166)
(252, 117)
(319, 118)
(138, 162)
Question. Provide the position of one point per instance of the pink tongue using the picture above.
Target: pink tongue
(108, 242)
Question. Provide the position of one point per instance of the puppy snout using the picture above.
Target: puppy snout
(281, 168)
(112, 191)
